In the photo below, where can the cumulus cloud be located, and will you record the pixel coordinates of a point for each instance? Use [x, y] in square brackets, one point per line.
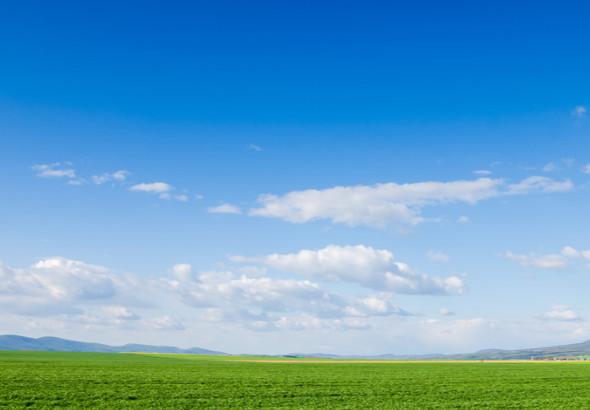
[119, 176]
[76, 293]
[445, 311]
[552, 262]
[225, 209]
[161, 188]
[53, 285]
[382, 204]
[371, 268]
[463, 219]
[264, 303]
[586, 169]
[561, 312]
[54, 170]
[550, 167]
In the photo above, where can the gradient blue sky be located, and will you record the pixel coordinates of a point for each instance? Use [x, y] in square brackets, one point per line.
[276, 177]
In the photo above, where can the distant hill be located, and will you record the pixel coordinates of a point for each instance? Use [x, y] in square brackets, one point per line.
[571, 350]
[13, 342]
[538, 353]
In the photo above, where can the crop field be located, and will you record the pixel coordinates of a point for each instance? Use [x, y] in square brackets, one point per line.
[103, 380]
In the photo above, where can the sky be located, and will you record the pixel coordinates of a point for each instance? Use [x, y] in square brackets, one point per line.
[294, 177]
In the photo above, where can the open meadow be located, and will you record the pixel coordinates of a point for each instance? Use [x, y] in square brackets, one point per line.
[65, 379]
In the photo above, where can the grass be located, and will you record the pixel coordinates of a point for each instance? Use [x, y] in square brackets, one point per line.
[102, 380]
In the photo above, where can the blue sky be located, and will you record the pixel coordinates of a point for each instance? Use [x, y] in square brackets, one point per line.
[276, 178]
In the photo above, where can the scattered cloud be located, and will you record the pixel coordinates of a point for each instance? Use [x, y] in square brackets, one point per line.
[579, 111]
[561, 312]
[586, 169]
[550, 167]
[54, 170]
[437, 256]
[371, 268]
[383, 204]
[538, 184]
[552, 262]
[181, 198]
[119, 176]
[161, 188]
[570, 252]
[482, 172]
[77, 292]
[225, 209]
[165, 323]
[445, 311]
[463, 219]
[255, 147]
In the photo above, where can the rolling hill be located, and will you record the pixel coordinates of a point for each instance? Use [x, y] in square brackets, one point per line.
[14, 342]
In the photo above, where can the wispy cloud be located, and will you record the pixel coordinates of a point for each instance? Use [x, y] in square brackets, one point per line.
[381, 204]
[54, 170]
[438, 256]
[579, 111]
[255, 147]
[119, 176]
[225, 209]
[552, 262]
[482, 172]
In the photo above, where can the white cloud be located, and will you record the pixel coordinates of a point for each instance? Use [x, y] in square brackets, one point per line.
[550, 167]
[165, 323]
[161, 188]
[119, 313]
[579, 111]
[539, 184]
[463, 219]
[225, 209]
[586, 169]
[482, 172]
[66, 293]
[52, 170]
[561, 313]
[382, 204]
[445, 311]
[372, 268]
[181, 198]
[255, 147]
[119, 176]
[552, 262]
[437, 256]
[570, 252]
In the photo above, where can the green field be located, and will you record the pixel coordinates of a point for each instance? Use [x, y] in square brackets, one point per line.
[59, 379]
